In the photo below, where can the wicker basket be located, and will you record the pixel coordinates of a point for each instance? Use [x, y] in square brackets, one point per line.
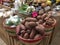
[38, 41]
[48, 33]
[10, 30]
[49, 29]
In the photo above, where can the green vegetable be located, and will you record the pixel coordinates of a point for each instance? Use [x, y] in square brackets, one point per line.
[16, 23]
[23, 8]
[9, 23]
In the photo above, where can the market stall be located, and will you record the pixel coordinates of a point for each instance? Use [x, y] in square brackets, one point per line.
[29, 22]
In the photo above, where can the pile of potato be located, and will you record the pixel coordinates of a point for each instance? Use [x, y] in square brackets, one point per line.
[33, 28]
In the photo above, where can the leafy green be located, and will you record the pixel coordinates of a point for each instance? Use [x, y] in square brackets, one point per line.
[9, 23]
[23, 8]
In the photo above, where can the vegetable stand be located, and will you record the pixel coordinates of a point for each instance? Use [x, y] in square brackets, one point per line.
[21, 40]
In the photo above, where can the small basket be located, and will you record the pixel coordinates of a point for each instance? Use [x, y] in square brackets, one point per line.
[49, 29]
[10, 30]
[48, 33]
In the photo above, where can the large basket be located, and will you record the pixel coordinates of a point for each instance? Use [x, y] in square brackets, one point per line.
[38, 41]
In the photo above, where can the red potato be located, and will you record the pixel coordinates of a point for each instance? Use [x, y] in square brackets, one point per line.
[18, 29]
[22, 27]
[37, 23]
[39, 17]
[41, 11]
[23, 21]
[40, 21]
[27, 25]
[32, 34]
[48, 16]
[40, 28]
[32, 24]
[44, 15]
[28, 31]
[23, 32]
[26, 36]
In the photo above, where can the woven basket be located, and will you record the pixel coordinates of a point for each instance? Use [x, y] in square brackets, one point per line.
[48, 33]
[49, 29]
[10, 30]
[23, 41]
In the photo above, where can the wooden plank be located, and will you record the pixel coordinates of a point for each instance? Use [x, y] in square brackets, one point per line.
[15, 42]
[11, 41]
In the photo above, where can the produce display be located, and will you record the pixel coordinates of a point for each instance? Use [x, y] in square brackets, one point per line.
[38, 23]
[36, 7]
[30, 27]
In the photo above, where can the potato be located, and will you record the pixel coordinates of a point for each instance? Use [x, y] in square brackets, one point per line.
[22, 27]
[23, 21]
[39, 17]
[41, 11]
[37, 23]
[18, 29]
[27, 25]
[44, 15]
[32, 34]
[40, 28]
[21, 35]
[31, 19]
[23, 32]
[26, 36]
[40, 21]
[48, 16]
[28, 31]
[48, 22]
[32, 24]
[37, 36]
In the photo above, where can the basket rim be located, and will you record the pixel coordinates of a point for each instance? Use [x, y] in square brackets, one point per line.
[27, 40]
[53, 25]
[6, 26]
